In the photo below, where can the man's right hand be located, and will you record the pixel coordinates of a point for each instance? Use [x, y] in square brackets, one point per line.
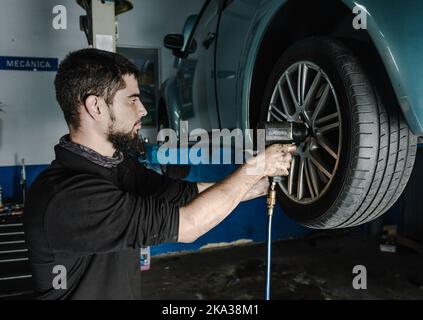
[275, 160]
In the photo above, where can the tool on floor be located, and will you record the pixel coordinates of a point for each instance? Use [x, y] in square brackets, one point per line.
[278, 133]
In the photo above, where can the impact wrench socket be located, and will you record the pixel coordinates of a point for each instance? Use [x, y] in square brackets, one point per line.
[284, 132]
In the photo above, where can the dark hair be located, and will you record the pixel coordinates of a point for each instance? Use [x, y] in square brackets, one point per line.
[90, 72]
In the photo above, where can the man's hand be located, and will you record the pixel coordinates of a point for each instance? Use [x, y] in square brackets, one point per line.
[275, 160]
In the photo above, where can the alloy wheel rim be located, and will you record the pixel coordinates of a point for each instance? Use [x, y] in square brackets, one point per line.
[304, 93]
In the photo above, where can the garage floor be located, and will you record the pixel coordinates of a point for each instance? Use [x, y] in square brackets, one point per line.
[319, 267]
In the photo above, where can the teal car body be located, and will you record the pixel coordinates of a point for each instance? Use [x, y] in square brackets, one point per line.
[212, 87]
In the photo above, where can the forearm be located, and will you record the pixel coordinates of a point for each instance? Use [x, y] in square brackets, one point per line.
[258, 190]
[214, 204]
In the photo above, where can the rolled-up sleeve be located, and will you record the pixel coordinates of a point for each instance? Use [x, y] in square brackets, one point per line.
[94, 216]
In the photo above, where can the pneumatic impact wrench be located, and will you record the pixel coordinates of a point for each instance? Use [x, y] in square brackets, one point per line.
[278, 133]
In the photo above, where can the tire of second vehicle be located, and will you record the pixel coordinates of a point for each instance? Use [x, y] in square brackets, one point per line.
[378, 149]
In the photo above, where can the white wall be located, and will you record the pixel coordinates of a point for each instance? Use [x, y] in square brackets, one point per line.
[33, 121]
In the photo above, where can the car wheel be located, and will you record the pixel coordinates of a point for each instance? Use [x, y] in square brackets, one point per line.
[360, 153]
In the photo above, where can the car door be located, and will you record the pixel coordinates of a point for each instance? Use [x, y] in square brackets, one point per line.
[196, 72]
[234, 28]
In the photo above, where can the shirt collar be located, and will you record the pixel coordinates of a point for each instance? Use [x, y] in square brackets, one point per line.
[90, 154]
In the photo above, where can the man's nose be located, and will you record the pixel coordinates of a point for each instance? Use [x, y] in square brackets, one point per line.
[142, 110]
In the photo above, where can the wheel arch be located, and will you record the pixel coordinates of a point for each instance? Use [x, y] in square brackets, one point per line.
[279, 20]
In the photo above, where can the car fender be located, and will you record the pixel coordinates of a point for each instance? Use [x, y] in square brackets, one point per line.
[394, 30]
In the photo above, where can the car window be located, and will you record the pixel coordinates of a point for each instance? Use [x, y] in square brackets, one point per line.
[188, 27]
[199, 22]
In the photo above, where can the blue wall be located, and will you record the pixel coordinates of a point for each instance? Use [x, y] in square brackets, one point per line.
[10, 179]
[248, 221]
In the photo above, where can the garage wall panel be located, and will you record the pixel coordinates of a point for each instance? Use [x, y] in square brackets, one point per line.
[32, 121]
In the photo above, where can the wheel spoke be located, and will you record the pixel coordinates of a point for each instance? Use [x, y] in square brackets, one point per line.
[334, 118]
[306, 117]
[283, 99]
[327, 128]
[327, 118]
[300, 75]
[322, 141]
[320, 167]
[300, 184]
[291, 89]
[312, 91]
[313, 176]
[304, 83]
[307, 175]
[273, 107]
[274, 115]
[323, 178]
[291, 175]
[322, 102]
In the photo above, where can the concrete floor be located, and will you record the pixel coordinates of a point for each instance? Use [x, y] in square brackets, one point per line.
[319, 267]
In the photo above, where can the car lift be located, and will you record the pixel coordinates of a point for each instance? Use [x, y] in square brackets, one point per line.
[99, 24]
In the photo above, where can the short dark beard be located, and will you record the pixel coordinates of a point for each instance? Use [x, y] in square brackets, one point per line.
[124, 142]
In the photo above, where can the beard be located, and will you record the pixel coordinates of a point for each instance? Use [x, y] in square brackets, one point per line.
[125, 142]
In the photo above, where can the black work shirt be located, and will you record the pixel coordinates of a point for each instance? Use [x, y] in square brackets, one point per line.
[93, 221]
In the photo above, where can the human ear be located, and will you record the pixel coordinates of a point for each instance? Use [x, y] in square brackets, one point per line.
[92, 106]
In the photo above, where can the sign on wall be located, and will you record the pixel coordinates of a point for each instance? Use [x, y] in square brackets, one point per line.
[28, 63]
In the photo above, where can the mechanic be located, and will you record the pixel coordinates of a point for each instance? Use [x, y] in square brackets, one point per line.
[95, 206]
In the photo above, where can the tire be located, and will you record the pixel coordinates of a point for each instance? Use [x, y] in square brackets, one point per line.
[173, 171]
[372, 150]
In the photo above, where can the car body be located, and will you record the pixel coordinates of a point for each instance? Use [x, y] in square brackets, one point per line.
[240, 62]
[241, 28]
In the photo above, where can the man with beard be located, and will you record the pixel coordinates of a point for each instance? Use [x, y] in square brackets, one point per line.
[90, 212]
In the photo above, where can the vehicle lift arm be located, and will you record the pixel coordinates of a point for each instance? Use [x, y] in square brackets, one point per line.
[100, 24]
